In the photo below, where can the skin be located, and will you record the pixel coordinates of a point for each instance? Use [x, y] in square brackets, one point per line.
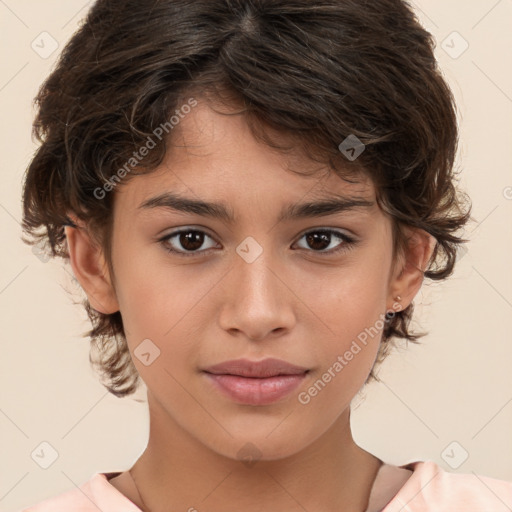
[293, 302]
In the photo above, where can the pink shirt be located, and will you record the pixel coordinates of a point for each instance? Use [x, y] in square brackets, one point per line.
[429, 488]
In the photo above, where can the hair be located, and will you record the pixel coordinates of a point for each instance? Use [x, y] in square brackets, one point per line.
[309, 72]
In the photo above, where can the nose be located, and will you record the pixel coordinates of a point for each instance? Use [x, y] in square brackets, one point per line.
[257, 301]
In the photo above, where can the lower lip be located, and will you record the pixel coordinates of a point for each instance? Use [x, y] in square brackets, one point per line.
[256, 391]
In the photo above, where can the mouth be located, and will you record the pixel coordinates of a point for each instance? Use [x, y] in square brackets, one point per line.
[269, 367]
[255, 382]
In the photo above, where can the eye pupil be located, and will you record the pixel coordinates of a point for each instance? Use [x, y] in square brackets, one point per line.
[191, 240]
[314, 238]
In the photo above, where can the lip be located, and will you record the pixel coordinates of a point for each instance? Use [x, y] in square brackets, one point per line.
[269, 367]
[256, 382]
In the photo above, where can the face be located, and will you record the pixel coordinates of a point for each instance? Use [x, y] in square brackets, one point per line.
[195, 289]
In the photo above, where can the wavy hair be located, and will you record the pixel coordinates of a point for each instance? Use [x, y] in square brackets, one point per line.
[313, 71]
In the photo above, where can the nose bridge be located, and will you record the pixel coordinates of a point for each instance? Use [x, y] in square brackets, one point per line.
[255, 276]
[256, 301]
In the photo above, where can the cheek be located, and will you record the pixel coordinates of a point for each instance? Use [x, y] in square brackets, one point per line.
[152, 295]
[347, 357]
[164, 304]
[348, 299]
[349, 307]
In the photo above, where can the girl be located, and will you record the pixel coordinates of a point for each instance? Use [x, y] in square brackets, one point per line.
[251, 192]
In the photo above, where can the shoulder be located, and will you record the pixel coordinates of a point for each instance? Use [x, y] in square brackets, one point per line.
[93, 495]
[430, 487]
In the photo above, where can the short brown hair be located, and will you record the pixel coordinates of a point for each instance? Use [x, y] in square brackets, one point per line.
[316, 71]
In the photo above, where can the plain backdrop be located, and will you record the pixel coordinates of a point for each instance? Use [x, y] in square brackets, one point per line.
[448, 400]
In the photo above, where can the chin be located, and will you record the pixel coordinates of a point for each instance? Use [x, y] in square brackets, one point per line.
[269, 444]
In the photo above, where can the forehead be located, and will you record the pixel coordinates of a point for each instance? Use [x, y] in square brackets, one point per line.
[213, 155]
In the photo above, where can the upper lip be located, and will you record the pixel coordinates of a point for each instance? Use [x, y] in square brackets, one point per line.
[269, 367]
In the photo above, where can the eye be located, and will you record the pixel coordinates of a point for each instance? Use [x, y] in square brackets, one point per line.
[321, 239]
[189, 239]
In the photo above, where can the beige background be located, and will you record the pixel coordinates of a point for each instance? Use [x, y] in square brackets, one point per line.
[456, 386]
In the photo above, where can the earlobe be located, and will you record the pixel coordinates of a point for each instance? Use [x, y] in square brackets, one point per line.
[409, 275]
[90, 269]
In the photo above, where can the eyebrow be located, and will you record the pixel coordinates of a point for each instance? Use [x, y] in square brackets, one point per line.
[328, 206]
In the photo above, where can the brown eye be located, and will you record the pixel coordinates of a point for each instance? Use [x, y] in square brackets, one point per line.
[321, 239]
[190, 240]
[318, 240]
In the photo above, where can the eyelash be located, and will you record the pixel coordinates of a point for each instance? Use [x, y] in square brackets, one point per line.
[348, 244]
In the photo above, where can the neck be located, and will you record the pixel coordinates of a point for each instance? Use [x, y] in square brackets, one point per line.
[177, 472]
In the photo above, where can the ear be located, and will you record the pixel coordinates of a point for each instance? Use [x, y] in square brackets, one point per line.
[91, 269]
[408, 273]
